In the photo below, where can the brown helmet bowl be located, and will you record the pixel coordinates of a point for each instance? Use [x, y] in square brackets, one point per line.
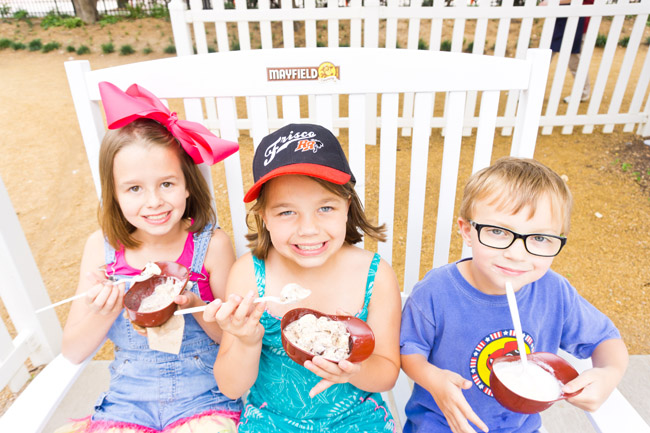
[141, 289]
[362, 339]
[550, 362]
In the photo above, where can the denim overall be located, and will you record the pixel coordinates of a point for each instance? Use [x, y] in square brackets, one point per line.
[155, 389]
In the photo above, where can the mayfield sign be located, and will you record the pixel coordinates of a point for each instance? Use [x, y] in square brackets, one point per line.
[326, 71]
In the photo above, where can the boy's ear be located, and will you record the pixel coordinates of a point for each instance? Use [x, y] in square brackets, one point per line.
[465, 229]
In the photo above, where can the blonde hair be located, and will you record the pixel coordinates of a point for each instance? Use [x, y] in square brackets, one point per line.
[146, 132]
[514, 183]
[259, 240]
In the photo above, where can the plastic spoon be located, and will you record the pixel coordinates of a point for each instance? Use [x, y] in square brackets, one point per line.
[289, 294]
[514, 313]
[149, 271]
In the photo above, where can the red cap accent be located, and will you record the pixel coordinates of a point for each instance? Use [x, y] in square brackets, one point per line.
[314, 170]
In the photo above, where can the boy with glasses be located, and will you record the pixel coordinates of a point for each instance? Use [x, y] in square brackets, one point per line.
[457, 320]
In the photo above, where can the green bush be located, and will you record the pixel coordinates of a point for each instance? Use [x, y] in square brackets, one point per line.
[51, 20]
[51, 46]
[35, 45]
[623, 42]
[647, 40]
[170, 49]
[21, 14]
[135, 12]
[422, 45]
[18, 46]
[72, 22]
[5, 43]
[126, 50]
[83, 49]
[159, 11]
[445, 45]
[147, 50]
[70, 49]
[601, 40]
[108, 48]
[5, 11]
[109, 19]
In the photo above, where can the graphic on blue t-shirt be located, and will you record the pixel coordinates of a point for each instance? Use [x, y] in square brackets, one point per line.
[490, 347]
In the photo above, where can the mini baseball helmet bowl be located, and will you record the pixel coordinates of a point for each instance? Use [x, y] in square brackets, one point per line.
[362, 339]
[552, 363]
[142, 289]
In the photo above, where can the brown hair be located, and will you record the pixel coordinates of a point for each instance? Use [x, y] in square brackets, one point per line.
[357, 224]
[146, 132]
[516, 183]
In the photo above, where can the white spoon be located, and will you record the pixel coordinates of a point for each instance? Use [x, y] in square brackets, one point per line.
[290, 293]
[514, 313]
[149, 271]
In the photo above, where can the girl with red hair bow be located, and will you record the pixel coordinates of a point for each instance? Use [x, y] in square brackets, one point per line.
[155, 206]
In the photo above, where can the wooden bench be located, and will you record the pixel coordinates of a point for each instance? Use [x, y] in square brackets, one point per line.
[408, 183]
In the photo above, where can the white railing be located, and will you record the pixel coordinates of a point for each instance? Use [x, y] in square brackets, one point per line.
[37, 337]
[618, 93]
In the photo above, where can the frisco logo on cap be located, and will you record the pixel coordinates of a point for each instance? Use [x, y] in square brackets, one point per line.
[305, 141]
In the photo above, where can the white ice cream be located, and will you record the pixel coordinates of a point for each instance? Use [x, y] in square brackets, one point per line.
[532, 382]
[162, 295]
[320, 336]
[293, 292]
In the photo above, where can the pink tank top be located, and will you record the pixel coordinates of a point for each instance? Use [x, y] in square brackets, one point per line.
[121, 267]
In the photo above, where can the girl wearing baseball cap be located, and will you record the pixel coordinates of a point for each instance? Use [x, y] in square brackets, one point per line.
[307, 218]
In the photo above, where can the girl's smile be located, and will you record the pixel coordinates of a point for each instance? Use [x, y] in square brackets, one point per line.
[313, 249]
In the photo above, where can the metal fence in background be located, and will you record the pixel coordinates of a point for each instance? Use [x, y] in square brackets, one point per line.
[41, 8]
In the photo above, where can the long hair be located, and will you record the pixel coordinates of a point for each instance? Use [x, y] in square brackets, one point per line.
[146, 132]
[259, 239]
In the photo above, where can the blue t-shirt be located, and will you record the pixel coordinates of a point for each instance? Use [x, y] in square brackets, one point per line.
[458, 328]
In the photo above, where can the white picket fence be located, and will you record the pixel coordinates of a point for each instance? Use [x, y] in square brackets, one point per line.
[618, 93]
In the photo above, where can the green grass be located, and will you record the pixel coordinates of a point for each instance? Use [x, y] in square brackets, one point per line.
[55, 20]
[624, 41]
[5, 43]
[35, 45]
[51, 46]
[21, 14]
[108, 48]
[126, 50]
[83, 49]
[109, 19]
[601, 40]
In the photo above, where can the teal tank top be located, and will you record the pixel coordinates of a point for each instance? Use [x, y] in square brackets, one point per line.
[279, 400]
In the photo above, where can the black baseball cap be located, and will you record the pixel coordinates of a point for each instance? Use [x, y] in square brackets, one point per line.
[299, 148]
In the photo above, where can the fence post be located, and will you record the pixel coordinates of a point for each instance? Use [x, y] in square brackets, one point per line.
[180, 28]
[371, 40]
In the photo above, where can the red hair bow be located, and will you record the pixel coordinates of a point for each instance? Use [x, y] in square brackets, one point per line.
[122, 108]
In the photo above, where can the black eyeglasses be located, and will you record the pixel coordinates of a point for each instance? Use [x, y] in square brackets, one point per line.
[537, 244]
